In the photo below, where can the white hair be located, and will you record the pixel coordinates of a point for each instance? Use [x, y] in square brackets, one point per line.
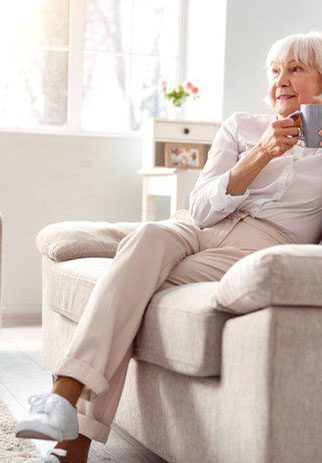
[306, 48]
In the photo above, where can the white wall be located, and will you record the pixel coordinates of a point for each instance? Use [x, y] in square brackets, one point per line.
[252, 27]
[205, 53]
[52, 178]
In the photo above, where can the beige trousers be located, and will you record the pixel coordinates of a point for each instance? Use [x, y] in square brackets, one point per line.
[154, 256]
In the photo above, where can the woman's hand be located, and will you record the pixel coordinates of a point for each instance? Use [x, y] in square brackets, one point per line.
[280, 136]
[320, 133]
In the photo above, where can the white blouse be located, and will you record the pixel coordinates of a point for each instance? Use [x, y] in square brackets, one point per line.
[287, 192]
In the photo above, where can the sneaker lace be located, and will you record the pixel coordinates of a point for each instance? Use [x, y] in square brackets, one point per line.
[58, 452]
[38, 403]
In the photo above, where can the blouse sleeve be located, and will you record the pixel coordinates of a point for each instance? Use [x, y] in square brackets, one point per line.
[209, 202]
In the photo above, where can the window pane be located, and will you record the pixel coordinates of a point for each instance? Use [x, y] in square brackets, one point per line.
[155, 27]
[33, 87]
[108, 25]
[105, 105]
[33, 23]
[147, 73]
[147, 32]
[141, 26]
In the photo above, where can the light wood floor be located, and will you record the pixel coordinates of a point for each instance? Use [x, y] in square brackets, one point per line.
[22, 375]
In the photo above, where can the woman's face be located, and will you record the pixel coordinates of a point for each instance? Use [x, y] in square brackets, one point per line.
[296, 81]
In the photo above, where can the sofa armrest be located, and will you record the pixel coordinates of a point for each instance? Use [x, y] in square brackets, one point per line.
[271, 404]
[84, 238]
[280, 275]
[76, 239]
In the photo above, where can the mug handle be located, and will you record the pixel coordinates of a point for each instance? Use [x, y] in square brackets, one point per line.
[298, 113]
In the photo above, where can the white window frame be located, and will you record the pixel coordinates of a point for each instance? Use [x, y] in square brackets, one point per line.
[75, 64]
[75, 75]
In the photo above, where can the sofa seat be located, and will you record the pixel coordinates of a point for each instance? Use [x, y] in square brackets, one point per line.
[180, 329]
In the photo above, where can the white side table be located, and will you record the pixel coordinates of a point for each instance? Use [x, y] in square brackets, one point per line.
[159, 180]
[163, 181]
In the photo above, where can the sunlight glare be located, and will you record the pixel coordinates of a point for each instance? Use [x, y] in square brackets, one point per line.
[18, 21]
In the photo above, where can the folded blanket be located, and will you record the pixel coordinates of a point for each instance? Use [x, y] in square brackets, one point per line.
[82, 238]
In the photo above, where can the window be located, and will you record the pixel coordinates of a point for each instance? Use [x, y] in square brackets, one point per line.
[34, 63]
[86, 65]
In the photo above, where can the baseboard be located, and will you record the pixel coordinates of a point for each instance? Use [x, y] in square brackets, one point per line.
[19, 318]
[22, 308]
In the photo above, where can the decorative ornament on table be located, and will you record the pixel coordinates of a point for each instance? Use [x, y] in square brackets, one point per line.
[176, 97]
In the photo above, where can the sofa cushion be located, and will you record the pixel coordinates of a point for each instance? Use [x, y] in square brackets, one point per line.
[82, 238]
[180, 330]
[284, 275]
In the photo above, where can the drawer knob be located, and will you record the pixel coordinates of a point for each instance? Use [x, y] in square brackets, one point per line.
[186, 131]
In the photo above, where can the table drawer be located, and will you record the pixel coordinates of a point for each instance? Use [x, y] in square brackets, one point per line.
[181, 131]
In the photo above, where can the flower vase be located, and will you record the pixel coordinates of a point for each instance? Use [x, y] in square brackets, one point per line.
[174, 112]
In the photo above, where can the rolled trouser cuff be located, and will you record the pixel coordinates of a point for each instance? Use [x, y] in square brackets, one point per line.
[94, 382]
[93, 429]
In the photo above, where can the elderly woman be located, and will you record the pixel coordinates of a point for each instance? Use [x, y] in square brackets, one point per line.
[260, 187]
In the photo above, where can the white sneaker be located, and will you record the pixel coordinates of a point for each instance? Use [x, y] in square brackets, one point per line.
[50, 456]
[51, 417]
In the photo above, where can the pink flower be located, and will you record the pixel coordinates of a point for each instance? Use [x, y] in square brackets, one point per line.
[164, 84]
[195, 90]
[189, 85]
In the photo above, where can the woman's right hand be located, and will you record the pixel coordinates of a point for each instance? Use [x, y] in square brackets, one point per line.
[280, 136]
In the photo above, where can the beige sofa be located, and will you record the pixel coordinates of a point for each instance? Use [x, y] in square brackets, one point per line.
[225, 372]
